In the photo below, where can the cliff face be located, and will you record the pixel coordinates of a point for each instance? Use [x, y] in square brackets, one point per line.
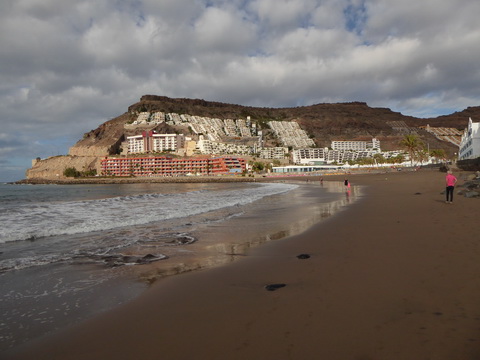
[53, 168]
[102, 141]
[323, 122]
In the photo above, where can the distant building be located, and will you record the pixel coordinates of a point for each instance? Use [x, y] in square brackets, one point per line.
[309, 155]
[273, 153]
[290, 134]
[356, 145]
[335, 156]
[451, 135]
[150, 141]
[299, 169]
[189, 148]
[470, 143]
[349, 156]
[213, 147]
[165, 166]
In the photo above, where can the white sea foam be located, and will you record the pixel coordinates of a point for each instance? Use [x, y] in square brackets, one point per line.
[37, 220]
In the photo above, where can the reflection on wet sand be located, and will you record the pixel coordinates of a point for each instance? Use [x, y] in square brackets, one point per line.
[271, 219]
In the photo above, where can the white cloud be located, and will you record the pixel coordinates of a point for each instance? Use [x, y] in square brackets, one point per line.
[282, 14]
[69, 66]
[219, 30]
[304, 43]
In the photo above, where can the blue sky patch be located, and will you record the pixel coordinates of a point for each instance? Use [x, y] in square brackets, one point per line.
[355, 17]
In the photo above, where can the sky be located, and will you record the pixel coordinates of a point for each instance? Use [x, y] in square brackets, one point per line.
[68, 66]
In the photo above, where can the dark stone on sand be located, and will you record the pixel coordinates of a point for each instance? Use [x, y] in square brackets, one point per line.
[147, 259]
[273, 287]
[303, 256]
[472, 194]
[418, 193]
[179, 239]
[120, 260]
[185, 240]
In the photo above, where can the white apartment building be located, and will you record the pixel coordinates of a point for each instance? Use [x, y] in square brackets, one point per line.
[374, 144]
[290, 134]
[335, 155]
[167, 142]
[212, 147]
[142, 118]
[207, 146]
[470, 144]
[356, 145]
[350, 155]
[273, 153]
[308, 155]
[136, 144]
[364, 154]
[149, 141]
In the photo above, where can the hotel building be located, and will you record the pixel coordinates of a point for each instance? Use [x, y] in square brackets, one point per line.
[165, 166]
[356, 145]
[470, 143]
[150, 141]
[309, 155]
[273, 153]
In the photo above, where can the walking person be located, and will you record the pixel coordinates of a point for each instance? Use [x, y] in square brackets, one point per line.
[450, 181]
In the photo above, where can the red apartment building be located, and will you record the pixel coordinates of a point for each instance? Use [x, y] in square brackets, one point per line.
[165, 166]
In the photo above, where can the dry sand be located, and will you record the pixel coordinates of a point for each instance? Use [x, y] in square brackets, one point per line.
[395, 276]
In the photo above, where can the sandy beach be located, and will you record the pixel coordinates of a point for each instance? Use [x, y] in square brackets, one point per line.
[394, 276]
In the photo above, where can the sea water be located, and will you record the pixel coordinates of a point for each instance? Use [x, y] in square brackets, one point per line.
[63, 247]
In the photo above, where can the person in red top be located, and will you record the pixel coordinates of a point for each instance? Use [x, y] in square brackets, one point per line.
[450, 181]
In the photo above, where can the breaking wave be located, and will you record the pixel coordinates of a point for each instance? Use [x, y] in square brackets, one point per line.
[37, 220]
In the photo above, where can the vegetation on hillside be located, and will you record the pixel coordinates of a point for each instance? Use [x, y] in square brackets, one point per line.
[73, 172]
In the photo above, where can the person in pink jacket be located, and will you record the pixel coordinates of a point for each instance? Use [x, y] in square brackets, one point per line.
[450, 181]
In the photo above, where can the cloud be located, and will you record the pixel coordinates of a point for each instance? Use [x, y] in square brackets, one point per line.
[278, 14]
[69, 66]
[223, 31]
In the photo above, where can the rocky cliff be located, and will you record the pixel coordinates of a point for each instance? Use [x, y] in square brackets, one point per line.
[102, 141]
[53, 167]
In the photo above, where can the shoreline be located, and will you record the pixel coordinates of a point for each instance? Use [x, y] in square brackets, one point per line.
[203, 179]
[394, 276]
[134, 180]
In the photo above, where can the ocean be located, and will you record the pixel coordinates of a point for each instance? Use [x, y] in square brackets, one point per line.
[69, 252]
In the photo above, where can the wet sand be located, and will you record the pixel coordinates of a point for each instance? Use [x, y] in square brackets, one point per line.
[394, 276]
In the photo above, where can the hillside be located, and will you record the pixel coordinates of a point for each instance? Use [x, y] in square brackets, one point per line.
[323, 123]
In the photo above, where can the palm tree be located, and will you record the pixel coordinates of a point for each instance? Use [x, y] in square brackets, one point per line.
[398, 159]
[438, 154]
[379, 158]
[423, 155]
[412, 144]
